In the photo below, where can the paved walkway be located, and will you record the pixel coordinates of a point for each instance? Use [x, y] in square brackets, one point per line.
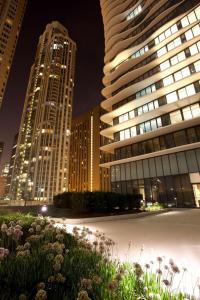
[174, 234]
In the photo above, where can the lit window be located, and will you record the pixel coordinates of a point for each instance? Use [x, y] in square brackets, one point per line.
[170, 46]
[131, 114]
[145, 108]
[187, 114]
[121, 135]
[165, 65]
[174, 60]
[192, 18]
[147, 126]
[127, 133]
[197, 11]
[195, 110]
[148, 90]
[153, 88]
[126, 117]
[175, 117]
[174, 28]
[168, 80]
[182, 93]
[193, 49]
[159, 122]
[197, 66]
[177, 42]
[189, 35]
[185, 22]
[162, 51]
[178, 76]
[157, 41]
[181, 56]
[168, 33]
[153, 124]
[140, 111]
[196, 30]
[172, 97]
[190, 90]
[121, 119]
[150, 106]
[162, 37]
[185, 72]
[133, 131]
[156, 105]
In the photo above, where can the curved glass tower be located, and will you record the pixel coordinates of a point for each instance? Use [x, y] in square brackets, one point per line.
[152, 98]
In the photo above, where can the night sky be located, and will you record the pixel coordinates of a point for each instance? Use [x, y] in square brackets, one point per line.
[83, 20]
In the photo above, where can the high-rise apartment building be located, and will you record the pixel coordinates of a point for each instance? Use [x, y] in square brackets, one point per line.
[152, 98]
[42, 156]
[11, 163]
[85, 173]
[1, 149]
[11, 16]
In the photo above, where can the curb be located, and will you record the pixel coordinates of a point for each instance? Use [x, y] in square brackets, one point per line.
[110, 218]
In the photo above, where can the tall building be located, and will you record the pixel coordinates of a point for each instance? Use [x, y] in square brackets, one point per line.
[42, 156]
[1, 149]
[152, 98]
[11, 163]
[3, 180]
[85, 156]
[11, 16]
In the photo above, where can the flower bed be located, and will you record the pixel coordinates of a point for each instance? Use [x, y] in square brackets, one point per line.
[40, 261]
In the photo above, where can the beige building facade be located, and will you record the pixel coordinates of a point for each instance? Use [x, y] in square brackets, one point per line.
[85, 173]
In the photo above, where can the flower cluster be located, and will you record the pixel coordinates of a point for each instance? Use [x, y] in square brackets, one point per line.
[3, 253]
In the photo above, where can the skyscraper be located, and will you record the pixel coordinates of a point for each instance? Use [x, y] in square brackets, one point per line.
[1, 149]
[152, 98]
[11, 16]
[42, 155]
[85, 155]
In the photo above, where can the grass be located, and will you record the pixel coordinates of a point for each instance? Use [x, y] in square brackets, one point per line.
[40, 261]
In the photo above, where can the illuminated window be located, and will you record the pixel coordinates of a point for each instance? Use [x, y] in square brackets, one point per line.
[165, 65]
[193, 49]
[189, 35]
[196, 30]
[131, 114]
[162, 51]
[175, 117]
[133, 131]
[182, 93]
[195, 110]
[192, 17]
[197, 66]
[172, 97]
[185, 22]
[168, 80]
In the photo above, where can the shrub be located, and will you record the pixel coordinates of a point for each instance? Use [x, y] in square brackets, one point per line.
[97, 202]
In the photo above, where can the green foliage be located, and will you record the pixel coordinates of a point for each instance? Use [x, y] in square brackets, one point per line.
[155, 207]
[97, 202]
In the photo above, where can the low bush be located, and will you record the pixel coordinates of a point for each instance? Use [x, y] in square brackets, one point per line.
[97, 202]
